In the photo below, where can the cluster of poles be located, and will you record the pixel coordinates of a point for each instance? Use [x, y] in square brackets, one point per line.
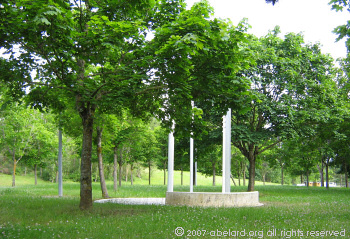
[226, 156]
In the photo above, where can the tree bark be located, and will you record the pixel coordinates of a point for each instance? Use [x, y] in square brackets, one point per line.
[126, 172]
[149, 172]
[35, 175]
[182, 176]
[164, 170]
[244, 173]
[131, 176]
[233, 180]
[282, 174]
[115, 165]
[120, 173]
[239, 168]
[263, 177]
[85, 166]
[14, 169]
[346, 175]
[320, 170]
[99, 131]
[214, 174]
[251, 181]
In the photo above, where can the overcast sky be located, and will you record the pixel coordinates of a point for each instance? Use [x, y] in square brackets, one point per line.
[314, 18]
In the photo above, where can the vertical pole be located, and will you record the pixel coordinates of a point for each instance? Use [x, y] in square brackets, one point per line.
[195, 173]
[191, 156]
[191, 165]
[60, 186]
[171, 143]
[226, 153]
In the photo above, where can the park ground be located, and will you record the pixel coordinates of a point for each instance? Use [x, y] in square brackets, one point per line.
[35, 211]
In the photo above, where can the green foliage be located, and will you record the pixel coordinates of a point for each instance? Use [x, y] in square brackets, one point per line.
[343, 31]
[292, 90]
[197, 59]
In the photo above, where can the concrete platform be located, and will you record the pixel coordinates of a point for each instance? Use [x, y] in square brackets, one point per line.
[133, 201]
[203, 199]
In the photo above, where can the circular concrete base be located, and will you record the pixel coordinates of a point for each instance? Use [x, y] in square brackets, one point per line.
[202, 199]
[134, 201]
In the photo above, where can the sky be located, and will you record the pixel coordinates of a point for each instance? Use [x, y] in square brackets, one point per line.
[313, 18]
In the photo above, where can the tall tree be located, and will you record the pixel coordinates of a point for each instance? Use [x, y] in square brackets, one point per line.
[162, 145]
[43, 145]
[17, 131]
[91, 52]
[199, 57]
[291, 90]
[343, 31]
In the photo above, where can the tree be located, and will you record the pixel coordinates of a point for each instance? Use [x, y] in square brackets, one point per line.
[149, 150]
[17, 129]
[99, 130]
[90, 52]
[42, 149]
[199, 57]
[162, 145]
[343, 31]
[291, 90]
[182, 155]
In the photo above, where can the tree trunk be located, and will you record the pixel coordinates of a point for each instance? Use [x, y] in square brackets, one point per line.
[14, 169]
[100, 163]
[35, 174]
[126, 172]
[244, 176]
[25, 171]
[307, 178]
[131, 176]
[239, 172]
[346, 175]
[282, 174]
[233, 180]
[115, 165]
[263, 178]
[251, 181]
[149, 172]
[320, 170]
[85, 166]
[214, 173]
[120, 173]
[182, 176]
[164, 170]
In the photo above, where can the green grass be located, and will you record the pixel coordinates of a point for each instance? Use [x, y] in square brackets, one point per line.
[29, 211]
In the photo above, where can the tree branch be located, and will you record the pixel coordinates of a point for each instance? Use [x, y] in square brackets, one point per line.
[269, 147]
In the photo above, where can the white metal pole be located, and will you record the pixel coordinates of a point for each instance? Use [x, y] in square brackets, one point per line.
[223, 153]
[171, 143]
[60, 184]
[191, 156]
[226, 153]
[191, 165]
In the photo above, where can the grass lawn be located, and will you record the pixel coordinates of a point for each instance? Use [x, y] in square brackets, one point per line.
[29, 211]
